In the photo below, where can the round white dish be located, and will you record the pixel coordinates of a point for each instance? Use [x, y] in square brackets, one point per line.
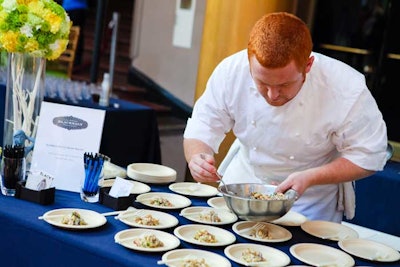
[92, 218]
[177, 201]
[329, 230]
[126, 238]
[151, 173]
[271, 255]
[188, 232]
[196, 214]
[370, 250]
[165, 220]
[321, 255]
[276, 233]
[137, 188]
[218, 203]
[291, 218]
[179, 255]
[193, 189]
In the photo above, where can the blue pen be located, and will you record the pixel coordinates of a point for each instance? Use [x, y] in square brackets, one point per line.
[92, 176]
[97, 175]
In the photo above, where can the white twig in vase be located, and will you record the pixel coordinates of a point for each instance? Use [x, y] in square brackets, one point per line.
[24, 100]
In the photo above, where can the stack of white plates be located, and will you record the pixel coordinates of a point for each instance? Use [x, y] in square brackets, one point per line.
[151, 173]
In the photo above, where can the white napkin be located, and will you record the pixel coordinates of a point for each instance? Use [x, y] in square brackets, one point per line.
[347, 199]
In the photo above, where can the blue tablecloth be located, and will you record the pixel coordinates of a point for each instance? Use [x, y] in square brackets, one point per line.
[27, 241]
[377, 200]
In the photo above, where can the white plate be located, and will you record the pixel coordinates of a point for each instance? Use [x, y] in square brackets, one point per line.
[126, 237]
[193, 189]
[194, 214]
[92, 218]
[291, 218]
[321, 255]
[137, 188]
[113, 170]
[329, 230]
[211, 258]
[177, 201]
[218, 203]
[151, 173]
[276, 233]
[165, 220]
[271, 255]
[188, 232]
[369, 250]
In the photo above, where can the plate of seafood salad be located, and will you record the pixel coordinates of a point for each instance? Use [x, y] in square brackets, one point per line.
[321, 255]
[218, 203]
[291, 218]
[194, 258]
[209, 215]
[72, 218]
[148, 219]
[206, 235]
[148, 240]
[261, 231]
[163, 200]
[256, 255]
[194, 189]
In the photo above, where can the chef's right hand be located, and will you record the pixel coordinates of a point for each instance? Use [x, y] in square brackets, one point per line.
[202, 168]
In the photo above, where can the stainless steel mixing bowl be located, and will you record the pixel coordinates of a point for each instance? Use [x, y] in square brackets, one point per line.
[237, 198]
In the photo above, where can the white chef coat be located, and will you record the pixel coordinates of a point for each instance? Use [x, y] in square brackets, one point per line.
[333, 115]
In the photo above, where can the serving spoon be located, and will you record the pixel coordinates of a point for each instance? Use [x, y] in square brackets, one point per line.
[224, 184]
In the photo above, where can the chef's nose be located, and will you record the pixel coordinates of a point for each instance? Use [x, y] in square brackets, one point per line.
[273, 92]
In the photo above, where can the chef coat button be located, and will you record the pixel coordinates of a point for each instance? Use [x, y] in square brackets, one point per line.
[297, 134]
[254, 148]
[301, 103]
[291, 157]
[253, 122]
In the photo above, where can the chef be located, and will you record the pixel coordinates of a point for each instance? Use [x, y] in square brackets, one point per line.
[302, 121]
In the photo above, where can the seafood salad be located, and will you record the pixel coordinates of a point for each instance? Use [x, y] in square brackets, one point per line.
[195, 263]
[162, 202]
[148, 241]
[210, 216]
[147, 220]
[262, 233]
[251, 255]
[205, 236]
[73, 219]
[273, 196]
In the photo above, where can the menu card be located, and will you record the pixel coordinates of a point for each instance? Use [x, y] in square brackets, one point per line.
[64, 134]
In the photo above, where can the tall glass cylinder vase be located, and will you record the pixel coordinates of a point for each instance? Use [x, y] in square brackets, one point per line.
[24, 96]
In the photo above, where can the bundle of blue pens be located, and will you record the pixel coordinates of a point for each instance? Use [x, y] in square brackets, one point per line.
[93, 167]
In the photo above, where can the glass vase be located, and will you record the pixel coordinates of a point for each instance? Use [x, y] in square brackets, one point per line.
[24, 96]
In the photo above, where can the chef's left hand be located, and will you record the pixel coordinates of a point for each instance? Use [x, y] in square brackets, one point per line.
[298, 181]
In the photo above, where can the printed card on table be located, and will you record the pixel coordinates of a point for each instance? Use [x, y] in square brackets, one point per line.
[64, 134]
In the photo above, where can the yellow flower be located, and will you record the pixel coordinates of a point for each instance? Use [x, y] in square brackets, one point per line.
[54, 20]
[25, 2]
[58, 47]
[9, 40]
[31, 45]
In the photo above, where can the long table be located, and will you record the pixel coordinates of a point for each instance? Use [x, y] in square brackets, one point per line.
[27, 241]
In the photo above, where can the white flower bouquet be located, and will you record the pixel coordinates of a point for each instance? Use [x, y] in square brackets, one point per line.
[37, 27]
